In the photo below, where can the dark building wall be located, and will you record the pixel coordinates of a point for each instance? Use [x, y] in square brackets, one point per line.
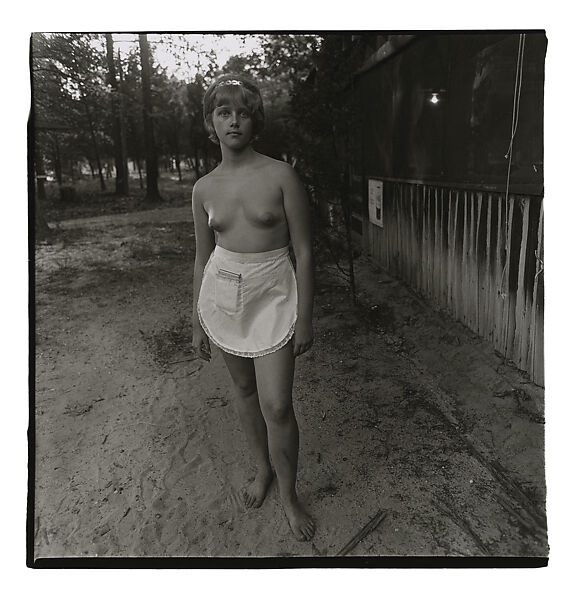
[449, 230]
[463, 138]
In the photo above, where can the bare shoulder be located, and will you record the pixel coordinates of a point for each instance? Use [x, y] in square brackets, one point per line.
[198, 188]
[282, 171]
[202, 186]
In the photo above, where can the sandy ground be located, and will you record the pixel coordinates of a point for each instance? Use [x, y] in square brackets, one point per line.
[139, 451]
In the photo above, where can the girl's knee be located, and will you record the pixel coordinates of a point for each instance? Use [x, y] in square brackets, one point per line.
[245, 387]
[278, 412]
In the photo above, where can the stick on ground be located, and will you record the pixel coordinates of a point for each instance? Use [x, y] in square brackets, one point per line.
[368, 528]
[174, 362]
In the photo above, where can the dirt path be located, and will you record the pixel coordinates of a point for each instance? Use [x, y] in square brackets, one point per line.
[140, 453]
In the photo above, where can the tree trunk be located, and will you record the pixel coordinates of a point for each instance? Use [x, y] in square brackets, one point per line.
[137, 149]
[141, 181]
[178, 169]
[40, 177]
[152, 194]
[346, 210]
[123, 127]
[57, 162]
[41, 188]
[347, 214]
[197, 163]
[42, 230]
[122, 181]
[177, 161]
[41, 227]
[95, 147]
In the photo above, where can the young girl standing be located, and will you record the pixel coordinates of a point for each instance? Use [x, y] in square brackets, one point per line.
[248, 300]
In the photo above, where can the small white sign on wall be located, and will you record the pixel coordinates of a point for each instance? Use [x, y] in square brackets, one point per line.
[375, 202]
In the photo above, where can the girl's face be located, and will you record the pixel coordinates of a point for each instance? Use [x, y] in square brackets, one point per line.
[233, 124]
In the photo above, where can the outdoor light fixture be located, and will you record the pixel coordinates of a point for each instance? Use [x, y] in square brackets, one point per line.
[433, 95]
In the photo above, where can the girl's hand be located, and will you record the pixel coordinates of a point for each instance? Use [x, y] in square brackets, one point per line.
[201, 343]
[303, 338]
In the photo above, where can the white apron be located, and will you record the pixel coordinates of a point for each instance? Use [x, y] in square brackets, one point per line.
[248, 301]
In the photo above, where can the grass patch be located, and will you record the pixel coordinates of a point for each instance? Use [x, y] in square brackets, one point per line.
[89, 201]
[170, 344]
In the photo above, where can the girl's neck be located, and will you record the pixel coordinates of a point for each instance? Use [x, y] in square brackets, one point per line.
[232, 159]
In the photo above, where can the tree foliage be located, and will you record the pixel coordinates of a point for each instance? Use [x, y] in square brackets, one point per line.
[329, 133]
[71, 101]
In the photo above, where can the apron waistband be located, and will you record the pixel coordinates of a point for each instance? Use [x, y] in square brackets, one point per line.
[250, 257]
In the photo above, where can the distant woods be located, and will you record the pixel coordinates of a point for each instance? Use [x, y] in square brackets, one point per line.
[111, 114]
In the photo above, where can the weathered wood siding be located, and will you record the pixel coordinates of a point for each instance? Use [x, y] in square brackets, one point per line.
[474, 255]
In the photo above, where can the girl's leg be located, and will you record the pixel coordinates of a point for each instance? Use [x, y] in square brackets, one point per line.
[274, 375]
[242, 373]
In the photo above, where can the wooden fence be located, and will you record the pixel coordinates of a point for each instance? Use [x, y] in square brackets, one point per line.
[474, 255]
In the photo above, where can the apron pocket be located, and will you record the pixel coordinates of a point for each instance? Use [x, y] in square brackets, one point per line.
[228, 291]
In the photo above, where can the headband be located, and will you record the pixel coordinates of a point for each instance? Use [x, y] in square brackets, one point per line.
[230, 82]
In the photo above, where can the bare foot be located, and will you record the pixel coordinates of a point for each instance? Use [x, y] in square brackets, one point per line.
[254, 493]
[301, 523]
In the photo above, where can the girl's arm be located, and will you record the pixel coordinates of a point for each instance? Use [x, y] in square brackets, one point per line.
[205, 242]
[296, 205]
